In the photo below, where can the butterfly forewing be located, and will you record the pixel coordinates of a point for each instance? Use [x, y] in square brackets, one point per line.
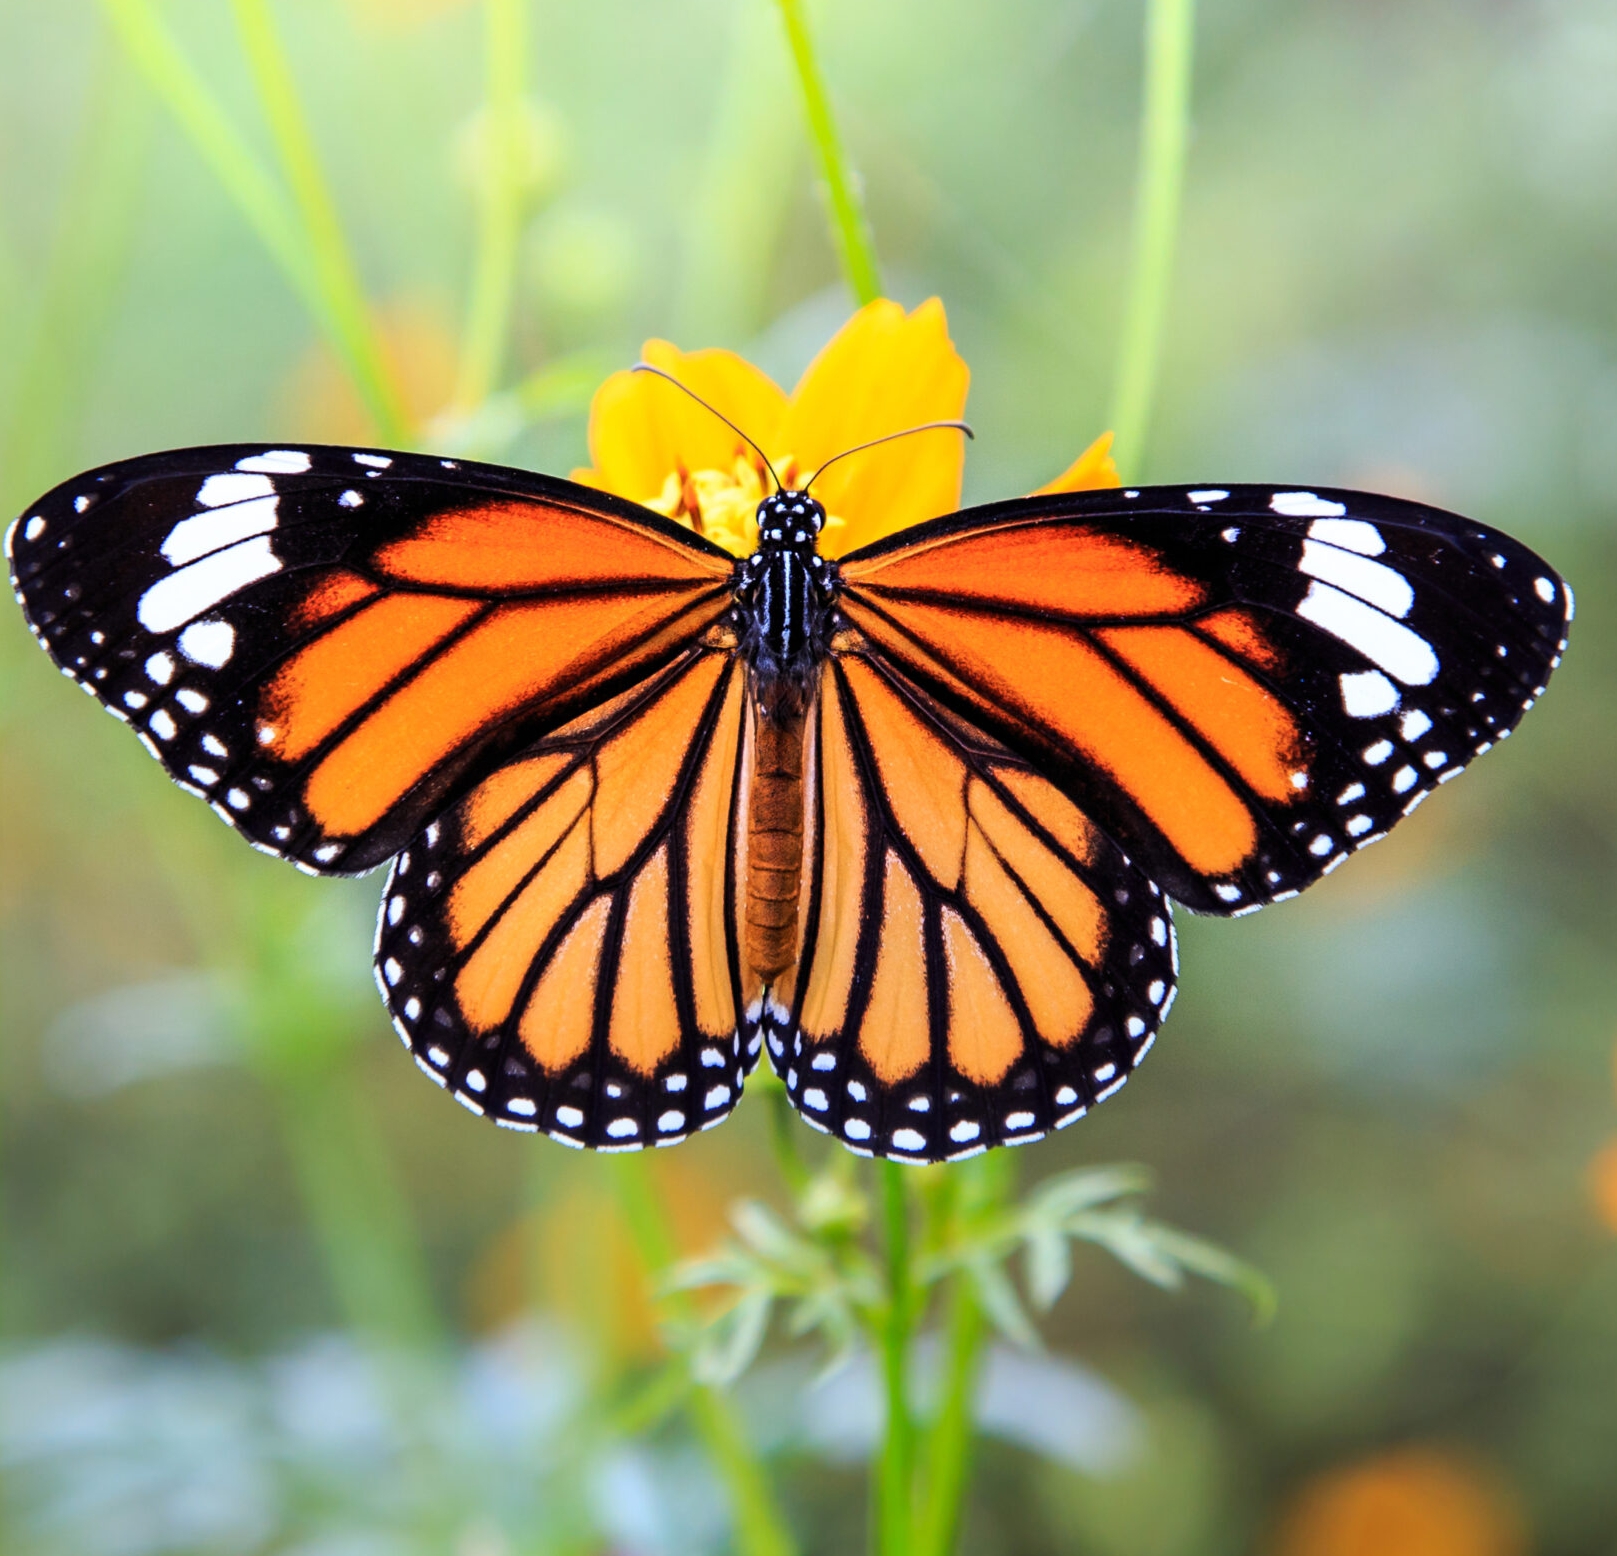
[557, 949]
[328, 644]
[1240, 685]
[980, 963]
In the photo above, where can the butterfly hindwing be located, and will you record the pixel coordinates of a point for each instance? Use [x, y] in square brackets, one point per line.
[1241, 685]
[979, 963]
[327, 644]
[558, 948]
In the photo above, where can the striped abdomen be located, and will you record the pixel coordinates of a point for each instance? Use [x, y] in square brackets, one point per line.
[774, 841]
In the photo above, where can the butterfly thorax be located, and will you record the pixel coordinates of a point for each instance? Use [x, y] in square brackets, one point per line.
[783, 594]
[783, 597]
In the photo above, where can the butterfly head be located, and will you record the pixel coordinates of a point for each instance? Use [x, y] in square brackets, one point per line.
[789, 521]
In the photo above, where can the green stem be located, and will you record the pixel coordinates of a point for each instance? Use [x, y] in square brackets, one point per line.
[760, 1528]
[55, 332]
[286, 236]
[895, 1486]
[169, 74]
[1164, 133]
[948, 1454]
[783, 1138]
[335, 276]
[500, 203]
[849, 225]
[978, 1188]
[355, 1204]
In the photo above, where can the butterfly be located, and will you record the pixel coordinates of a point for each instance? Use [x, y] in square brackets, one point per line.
[913, 820]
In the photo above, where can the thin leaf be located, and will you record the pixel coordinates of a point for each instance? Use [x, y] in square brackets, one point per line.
[999, 1300]
[1213, 1263]
[732, 1343]
[1049, 1267]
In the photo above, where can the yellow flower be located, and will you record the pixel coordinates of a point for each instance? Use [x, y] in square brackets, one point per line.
[883, 371]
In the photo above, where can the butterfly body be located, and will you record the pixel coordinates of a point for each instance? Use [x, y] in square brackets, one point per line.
[911, 821]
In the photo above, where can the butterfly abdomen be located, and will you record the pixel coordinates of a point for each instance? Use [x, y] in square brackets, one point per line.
[775, 841]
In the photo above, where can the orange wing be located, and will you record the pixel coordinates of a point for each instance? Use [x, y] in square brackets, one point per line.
[329, 645]
[1240, 685]
[978, 962]
[558, 948]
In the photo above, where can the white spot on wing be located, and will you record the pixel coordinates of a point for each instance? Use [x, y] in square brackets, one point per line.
[1402, 653]
[34, 528]
[1305, 505]
[160, 667]
[208, 643]
[1349, 534]
[276, 461]
[1414, 724]
[204, 533]
[1545, 590]
[1212, 495]
[218, 491]
[375, 461]
[1375, 582]
[1366, 693]
[184, 595]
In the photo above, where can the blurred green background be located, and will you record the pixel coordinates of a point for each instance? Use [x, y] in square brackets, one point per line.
[263, 1290]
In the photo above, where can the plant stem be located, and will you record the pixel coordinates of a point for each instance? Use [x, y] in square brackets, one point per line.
[978, 1188]
[499, 206]
[760, 1528]
[948, 1454]
[336, 279]
[1164, 133]
[849, 225]
[183, 92]
[50, 338]
[783, 1128]
[352, 1196]
[179, 87]
[894, 1499]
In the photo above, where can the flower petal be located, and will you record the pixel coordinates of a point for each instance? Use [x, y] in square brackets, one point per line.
[883, 371]
[642, 428]
[1091, 471]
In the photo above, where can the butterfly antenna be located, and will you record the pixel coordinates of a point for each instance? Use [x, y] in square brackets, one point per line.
[646, 367]
[859, 448]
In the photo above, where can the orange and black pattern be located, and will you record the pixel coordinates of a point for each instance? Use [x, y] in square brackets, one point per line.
[558, 947]
[1241, 686]
[979, 963]
[326, 644]
[1018, 732]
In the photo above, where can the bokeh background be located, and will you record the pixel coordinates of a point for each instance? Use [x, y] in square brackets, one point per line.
[266, 1291]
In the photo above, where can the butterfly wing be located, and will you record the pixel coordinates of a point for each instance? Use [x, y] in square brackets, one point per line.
[1239, 685]
[558, 947]
[979, 963]
[329, 644]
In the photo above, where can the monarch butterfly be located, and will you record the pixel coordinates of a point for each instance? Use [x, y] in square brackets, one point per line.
[912, 820]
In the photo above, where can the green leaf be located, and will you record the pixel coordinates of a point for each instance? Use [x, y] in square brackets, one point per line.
[731, 1344]
[1049, 1266]
[999, 1300]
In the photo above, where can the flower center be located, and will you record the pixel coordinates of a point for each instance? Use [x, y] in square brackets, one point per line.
[722, 505]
